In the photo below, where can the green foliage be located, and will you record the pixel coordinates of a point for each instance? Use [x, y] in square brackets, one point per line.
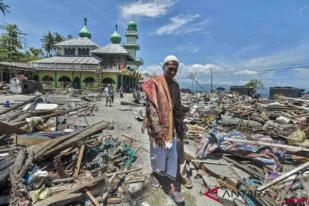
[69, 36]
[32, 54]
[11, 46]
[4, 7]
[10, 43]
[49, 40]
[254, 83]
[48, 43]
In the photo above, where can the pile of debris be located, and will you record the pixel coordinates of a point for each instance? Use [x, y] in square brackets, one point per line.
[44, 161]
[263, 144]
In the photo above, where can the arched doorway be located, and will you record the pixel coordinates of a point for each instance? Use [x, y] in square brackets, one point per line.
[76, 83]
[36, 78]
[48, 80]
[89, 81]
[65, 81]
[106, 81]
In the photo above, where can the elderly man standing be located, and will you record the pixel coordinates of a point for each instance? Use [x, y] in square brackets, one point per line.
[164, 123]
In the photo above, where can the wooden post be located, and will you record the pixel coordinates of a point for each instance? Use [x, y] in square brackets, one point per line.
[79, 160]
[91, 197]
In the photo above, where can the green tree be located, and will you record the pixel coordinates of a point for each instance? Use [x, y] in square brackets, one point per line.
[4, 7]
[48, 41]
[254, 83]
[32, 54]
[58, 38]
[10, 43]
[69, 36]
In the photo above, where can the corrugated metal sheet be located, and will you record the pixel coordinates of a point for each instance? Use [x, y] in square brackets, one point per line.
[110, 49]
[70, 60]
[80, 41]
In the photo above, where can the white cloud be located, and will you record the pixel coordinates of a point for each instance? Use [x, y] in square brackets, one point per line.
[194, 27]
[245, 72]
[175, 23]
[185, 69]
[147, 8]
[234, 76]
[188, 47]
[152, 69]
[302, 71]
[296, 57]
[199, 69]
[282, 58]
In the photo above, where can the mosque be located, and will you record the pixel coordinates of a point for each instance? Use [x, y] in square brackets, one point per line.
[83, 64]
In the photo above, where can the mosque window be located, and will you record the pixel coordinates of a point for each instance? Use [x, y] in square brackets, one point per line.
[69, 51]
[83, 52]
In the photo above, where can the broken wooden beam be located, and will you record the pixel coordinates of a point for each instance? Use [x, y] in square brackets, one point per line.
[286, 147]
[79, 160]
[58, 198]
[10, 129]
[283, 177]
[91, 197]
[18, 105]
[27, 140]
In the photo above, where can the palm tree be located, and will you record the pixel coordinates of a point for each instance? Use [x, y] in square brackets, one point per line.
[58, 38]
[69, 36]
[48, 41]
[4, 7]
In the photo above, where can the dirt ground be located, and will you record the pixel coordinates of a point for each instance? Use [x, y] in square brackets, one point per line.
[125, 123]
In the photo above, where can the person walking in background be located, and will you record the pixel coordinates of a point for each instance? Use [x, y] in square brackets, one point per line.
[121, 91]
[108, 95]
[112, 94]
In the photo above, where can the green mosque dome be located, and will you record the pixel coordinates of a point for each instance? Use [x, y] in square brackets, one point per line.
[84, 32]
[132, 25]
[116, 38]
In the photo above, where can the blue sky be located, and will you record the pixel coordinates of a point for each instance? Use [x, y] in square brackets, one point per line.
[240, 39]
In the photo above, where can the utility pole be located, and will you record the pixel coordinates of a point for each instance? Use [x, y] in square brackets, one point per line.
[211, 86]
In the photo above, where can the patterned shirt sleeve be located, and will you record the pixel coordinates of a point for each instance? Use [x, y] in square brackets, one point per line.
[152, 120]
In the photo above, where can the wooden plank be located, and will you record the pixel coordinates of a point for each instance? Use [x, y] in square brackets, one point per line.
[286, 147]
[91, 197]
[55, 199]
[60, 200]
[9, 129]
[79, 160]
[18, 105]
[29, 140]
[67, 141]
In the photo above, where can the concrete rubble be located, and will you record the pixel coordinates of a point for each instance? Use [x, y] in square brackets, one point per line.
[262, 143]
[46, 160]
[238, 150]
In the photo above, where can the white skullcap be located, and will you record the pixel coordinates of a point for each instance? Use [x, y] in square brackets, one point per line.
[170, 58]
